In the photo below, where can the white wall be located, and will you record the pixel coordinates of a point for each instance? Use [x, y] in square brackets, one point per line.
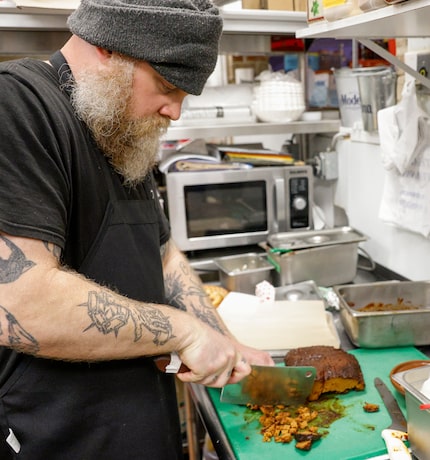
[359, 192]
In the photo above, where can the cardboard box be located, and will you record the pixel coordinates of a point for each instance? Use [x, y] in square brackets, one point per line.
[300, 5]
[251, 4]
[287, 5]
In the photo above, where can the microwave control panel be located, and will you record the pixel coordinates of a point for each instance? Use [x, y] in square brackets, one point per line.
[299, 202]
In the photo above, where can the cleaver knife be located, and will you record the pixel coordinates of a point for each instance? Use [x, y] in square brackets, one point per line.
[396, 433]
[265, 385]
[271, 385]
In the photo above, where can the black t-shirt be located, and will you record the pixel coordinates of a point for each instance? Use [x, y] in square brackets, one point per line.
[52, 185]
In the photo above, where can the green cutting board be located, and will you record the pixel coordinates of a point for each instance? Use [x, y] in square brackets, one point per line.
[355, 436]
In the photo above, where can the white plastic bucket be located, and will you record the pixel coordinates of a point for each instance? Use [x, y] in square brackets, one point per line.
[348, 97]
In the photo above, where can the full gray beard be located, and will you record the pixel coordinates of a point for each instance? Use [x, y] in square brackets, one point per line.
[103, 101]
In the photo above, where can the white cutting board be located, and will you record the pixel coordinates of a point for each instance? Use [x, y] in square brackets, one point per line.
[278, 325]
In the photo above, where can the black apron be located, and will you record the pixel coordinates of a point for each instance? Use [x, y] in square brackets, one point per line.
[118, 410]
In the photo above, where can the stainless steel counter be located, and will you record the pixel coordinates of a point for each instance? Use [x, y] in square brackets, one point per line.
[203, 405]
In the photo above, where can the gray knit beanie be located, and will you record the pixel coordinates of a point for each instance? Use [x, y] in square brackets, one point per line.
[179, 38]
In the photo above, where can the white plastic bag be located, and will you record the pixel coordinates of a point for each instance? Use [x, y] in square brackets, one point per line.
[404, 131]
[399, 127]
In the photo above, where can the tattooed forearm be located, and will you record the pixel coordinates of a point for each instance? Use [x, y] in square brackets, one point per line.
[17, 337]
[15, 264]
[177, 291]
[53, 249]
[174, 291]
[178, 295]
[207, 316]
[108, 315]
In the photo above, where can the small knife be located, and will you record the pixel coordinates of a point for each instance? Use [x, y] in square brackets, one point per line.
[396, 433]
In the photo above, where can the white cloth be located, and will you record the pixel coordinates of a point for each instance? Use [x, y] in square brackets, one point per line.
[404, 131]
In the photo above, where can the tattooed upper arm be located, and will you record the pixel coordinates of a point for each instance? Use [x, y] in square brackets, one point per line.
[13, 261]
[53, 249]
[163, 249]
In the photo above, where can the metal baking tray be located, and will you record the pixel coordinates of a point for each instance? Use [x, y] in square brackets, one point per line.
[388, 328]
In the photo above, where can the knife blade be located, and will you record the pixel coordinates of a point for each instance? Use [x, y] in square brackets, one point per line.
[271, 385]
[396, 433]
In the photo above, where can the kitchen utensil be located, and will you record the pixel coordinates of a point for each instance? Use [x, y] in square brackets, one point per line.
[241, 273]
[309, 253]
[377, 88]
[395, 434]
[388, 328]
[315, 238]
[414, 381]
[405, 366]
[170, 364]
[306, 290]
[271, 385]
[265, 385]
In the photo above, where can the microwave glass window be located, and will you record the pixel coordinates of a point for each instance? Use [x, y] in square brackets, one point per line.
[219, 209]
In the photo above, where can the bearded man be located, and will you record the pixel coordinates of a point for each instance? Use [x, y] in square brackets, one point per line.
[88, 269]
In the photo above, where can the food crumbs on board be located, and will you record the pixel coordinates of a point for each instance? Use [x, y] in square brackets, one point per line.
[285, 424]
[304, 424]
[369, 407]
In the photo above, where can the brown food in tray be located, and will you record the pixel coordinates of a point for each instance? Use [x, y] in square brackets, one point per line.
[337, 370]
[381, 306]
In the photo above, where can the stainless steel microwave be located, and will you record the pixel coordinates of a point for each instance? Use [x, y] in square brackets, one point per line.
[223, 208]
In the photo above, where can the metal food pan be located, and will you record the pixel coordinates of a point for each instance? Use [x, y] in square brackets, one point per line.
[388, 328]
[315, 238]
[326, 265]
[243, 272]
[418, 419]
[306, 290]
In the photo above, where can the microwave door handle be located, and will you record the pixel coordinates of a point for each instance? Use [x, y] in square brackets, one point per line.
[280, 206]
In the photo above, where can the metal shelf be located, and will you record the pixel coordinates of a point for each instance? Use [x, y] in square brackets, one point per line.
[263, 21]
[235, 22]
[12, 19]
[247, 129]
[408, 19]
